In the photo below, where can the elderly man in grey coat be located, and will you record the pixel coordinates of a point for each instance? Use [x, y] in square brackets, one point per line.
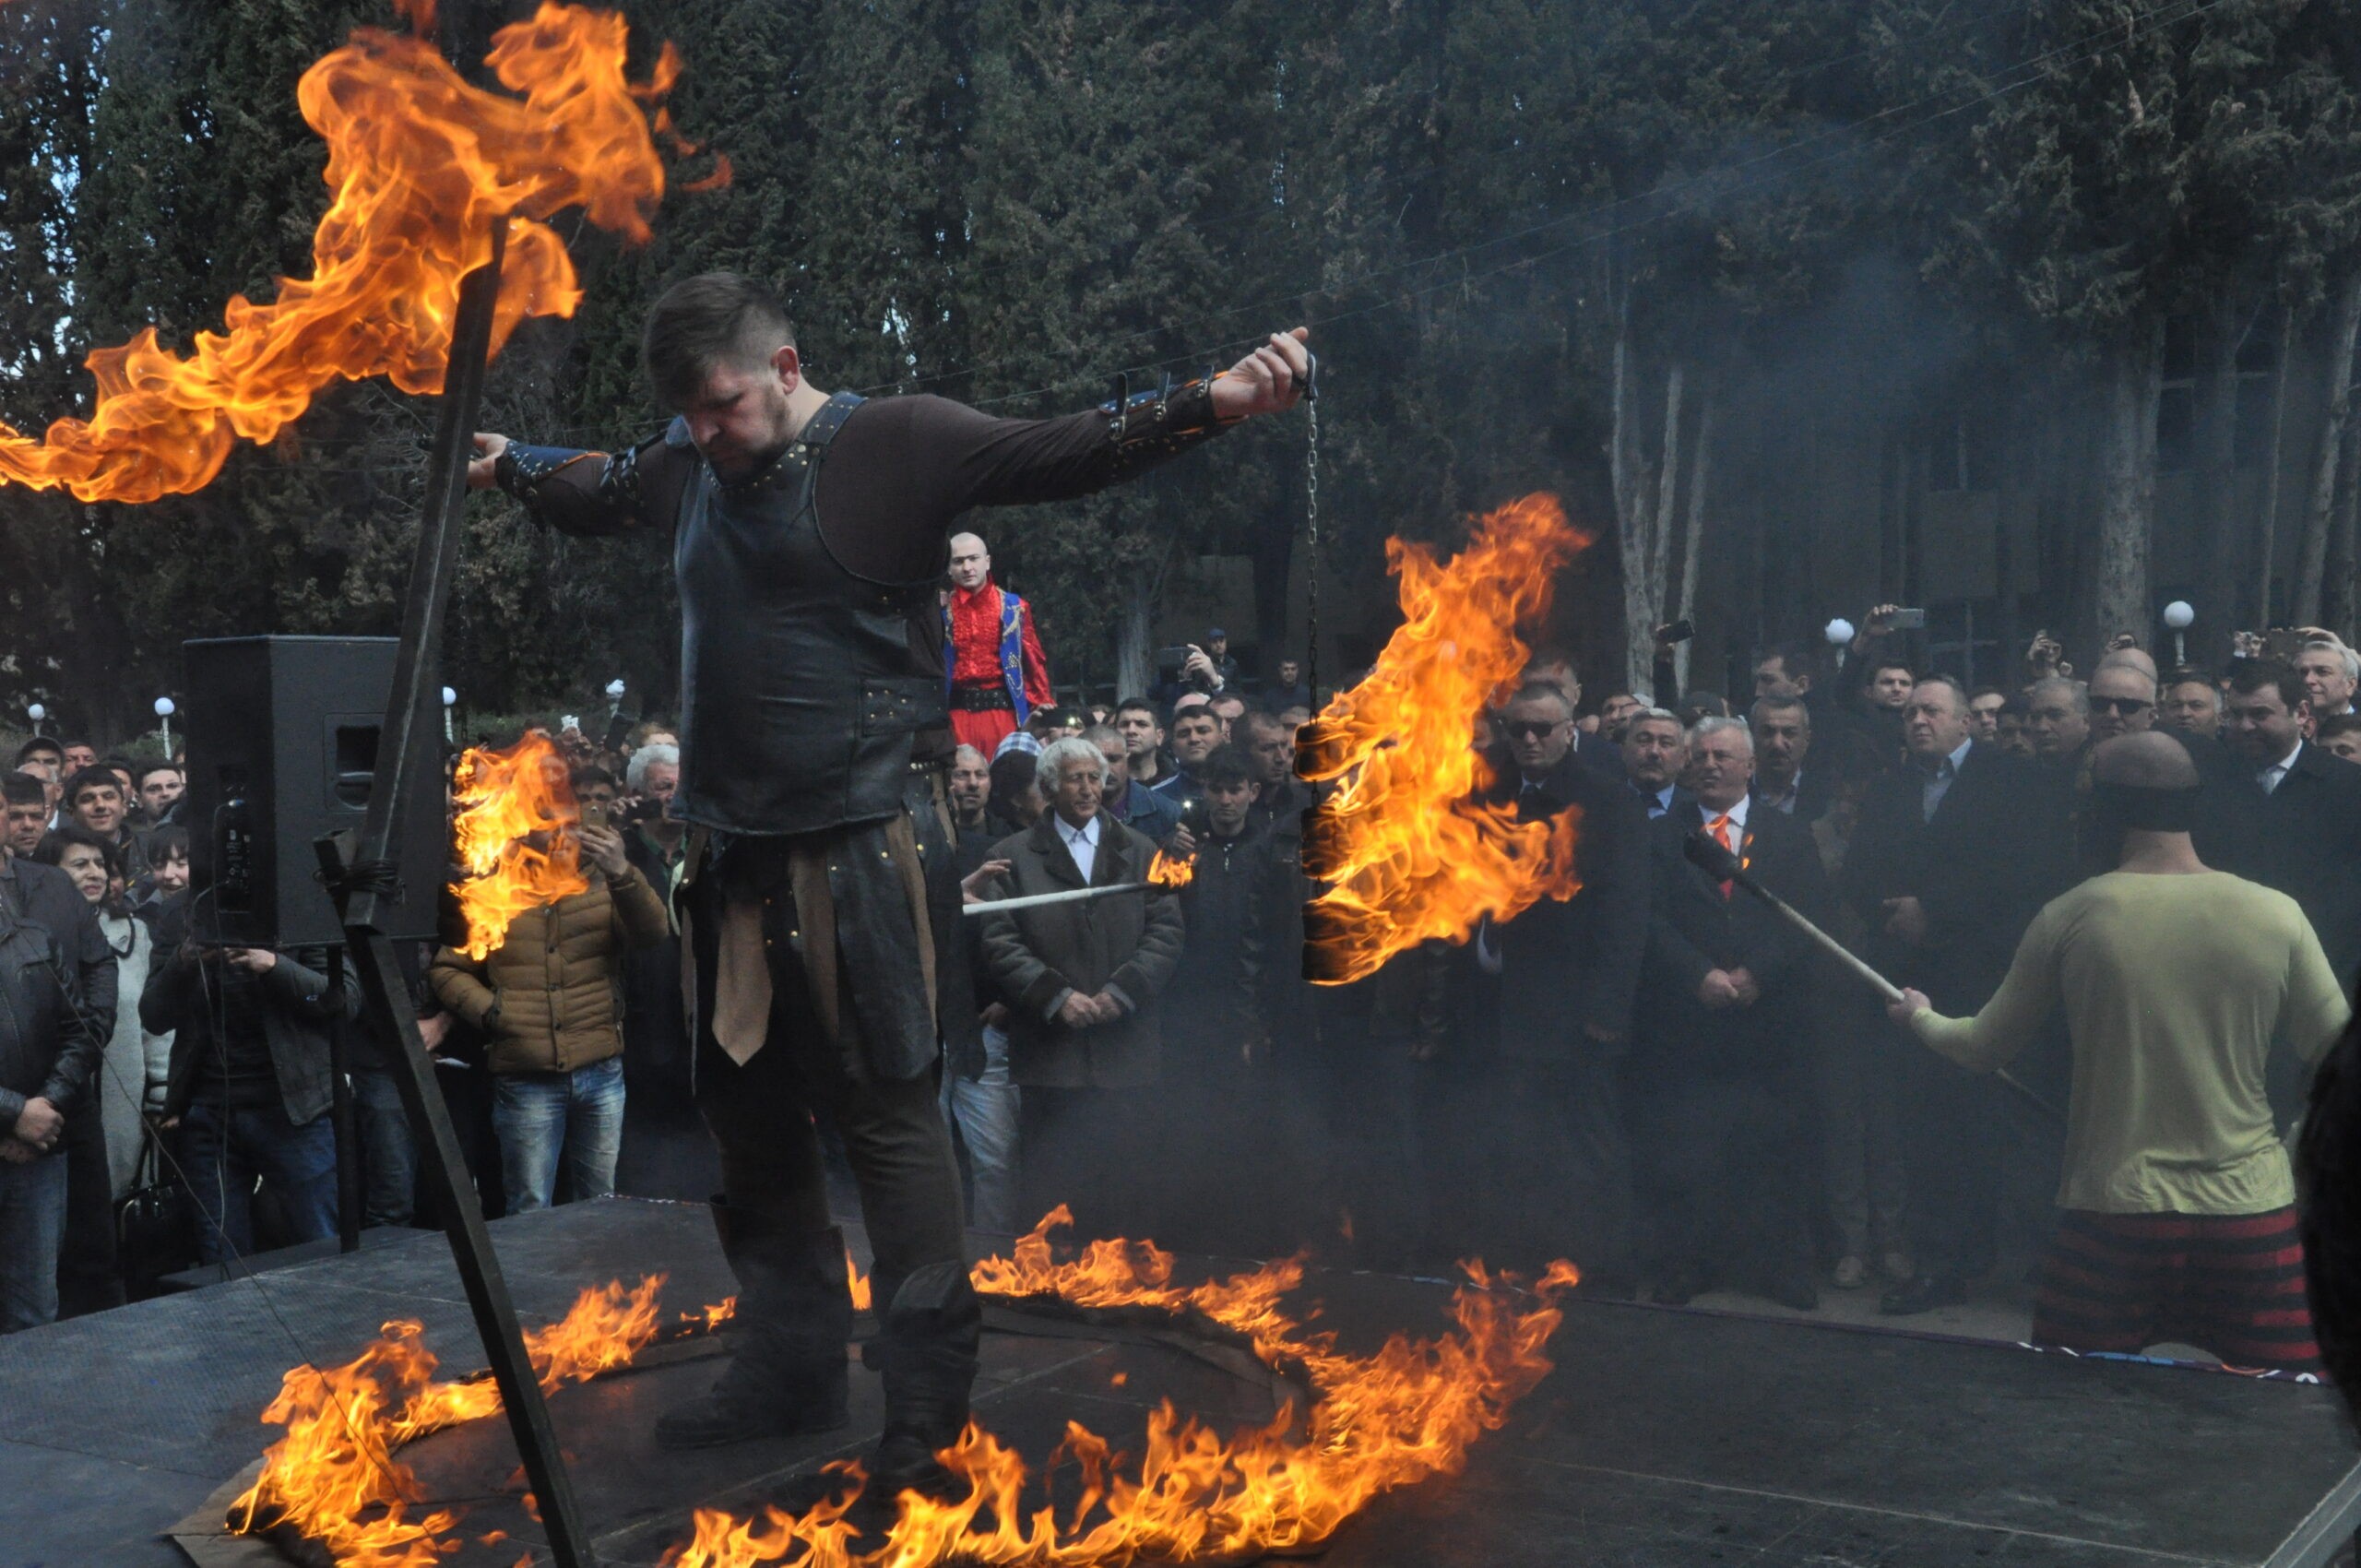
[1081, 981]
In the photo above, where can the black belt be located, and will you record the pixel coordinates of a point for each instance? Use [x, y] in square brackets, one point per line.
[981, 699]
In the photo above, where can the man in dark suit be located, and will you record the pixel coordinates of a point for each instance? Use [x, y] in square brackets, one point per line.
[2301, 807]
[1784, 778]
[1655, 749]
[1955, 852]
[1543, 1016]
[1718, 1075]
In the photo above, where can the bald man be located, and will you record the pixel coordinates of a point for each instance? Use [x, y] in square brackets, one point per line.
[994, 672]
[2177, 1218]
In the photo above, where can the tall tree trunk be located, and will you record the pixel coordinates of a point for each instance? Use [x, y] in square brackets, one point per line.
[2264, 564]
[1693, 537]
[1134, 630]
[1635, 520]
[1667, 480]
[2127, 473]
[2311, 556]
[2230, 320]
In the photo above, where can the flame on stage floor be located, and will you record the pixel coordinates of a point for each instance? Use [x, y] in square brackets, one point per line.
[423, 166]
[1193, 1496]
[1406, 854]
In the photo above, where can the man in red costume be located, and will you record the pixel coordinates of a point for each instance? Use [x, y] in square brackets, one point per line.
[995, 674]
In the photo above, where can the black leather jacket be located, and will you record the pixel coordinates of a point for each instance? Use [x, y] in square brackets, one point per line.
[49, 1048]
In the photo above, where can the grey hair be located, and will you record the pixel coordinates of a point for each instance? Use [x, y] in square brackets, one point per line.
[1052, 761]
[1664, 713]
[647, 756]
[961, 753]
[2352, 660]
[2080, 692]
[1714, 724]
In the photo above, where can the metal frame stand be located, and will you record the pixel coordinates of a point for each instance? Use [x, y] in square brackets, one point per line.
[361, 878]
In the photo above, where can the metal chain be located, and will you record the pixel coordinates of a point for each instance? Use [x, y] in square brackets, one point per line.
[1311, 562]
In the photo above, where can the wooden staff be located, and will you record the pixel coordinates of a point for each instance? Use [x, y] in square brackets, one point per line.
[1708, 855]
[1069, 895]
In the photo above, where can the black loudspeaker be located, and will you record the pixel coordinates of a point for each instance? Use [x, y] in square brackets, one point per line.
[283, 748]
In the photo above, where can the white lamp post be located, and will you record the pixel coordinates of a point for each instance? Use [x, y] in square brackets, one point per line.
[164, 711]
[2177, 615]
[1839, 632]
[450, 701]
[614, 697]
[36, 713]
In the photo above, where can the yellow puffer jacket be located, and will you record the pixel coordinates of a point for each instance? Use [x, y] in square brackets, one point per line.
[548, 998]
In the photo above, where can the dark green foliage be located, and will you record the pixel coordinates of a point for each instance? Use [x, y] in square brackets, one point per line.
[1009, 201]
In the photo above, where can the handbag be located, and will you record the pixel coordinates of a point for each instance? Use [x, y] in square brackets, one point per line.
[155, 1229]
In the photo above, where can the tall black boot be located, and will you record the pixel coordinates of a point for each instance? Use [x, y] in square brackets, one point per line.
[926, 1351]
[787, 1373]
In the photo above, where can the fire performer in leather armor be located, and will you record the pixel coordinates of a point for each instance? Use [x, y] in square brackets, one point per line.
[809, 539]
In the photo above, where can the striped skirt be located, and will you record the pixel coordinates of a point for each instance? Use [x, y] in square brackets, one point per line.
[2230, 1284]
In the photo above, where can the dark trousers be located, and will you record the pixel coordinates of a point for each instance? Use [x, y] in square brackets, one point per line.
[1097, 1151]
[1361, 1104]
[1951, 1125]
[1532, 1164]
[388, 1152]
[1234, 1145]
[893, 1138]
[87, 1278]
[223, 1156]
[1722, 1166]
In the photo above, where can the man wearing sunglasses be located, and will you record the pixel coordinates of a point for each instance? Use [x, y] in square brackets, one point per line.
[1532, 1090]
[2123, 702]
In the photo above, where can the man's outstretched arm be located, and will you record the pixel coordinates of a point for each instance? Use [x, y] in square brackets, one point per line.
[579, 492]
[1000, 462]
[2008, 1023]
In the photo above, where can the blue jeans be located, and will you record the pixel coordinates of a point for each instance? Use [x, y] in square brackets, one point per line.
[222, 1158]
[984, 1111]
[389, 1157]
[32, 1229]
[539, 1116]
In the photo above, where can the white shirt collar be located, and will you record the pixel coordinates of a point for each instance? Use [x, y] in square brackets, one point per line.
[2284, 764]
[1086, 833]
[1736, 813]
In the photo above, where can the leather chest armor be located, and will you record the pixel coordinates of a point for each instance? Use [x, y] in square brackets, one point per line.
[801, 691]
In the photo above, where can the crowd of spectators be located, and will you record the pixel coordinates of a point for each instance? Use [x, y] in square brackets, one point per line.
[1658, 1077]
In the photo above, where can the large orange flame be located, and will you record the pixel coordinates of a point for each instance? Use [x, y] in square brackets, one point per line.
[334, 1478]
[1407, 855]
[1399, 1416]
[507, 801]
[423, 166]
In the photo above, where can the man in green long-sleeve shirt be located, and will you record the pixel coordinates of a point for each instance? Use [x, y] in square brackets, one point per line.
[2178, 1217]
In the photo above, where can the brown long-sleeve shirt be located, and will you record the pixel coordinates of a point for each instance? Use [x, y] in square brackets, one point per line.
[899, 473]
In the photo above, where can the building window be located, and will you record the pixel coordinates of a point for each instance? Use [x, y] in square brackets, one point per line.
[1963, 642]
[1961, 448]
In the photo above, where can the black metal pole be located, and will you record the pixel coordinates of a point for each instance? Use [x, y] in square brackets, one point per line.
[371, 952]
[348, 1144]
